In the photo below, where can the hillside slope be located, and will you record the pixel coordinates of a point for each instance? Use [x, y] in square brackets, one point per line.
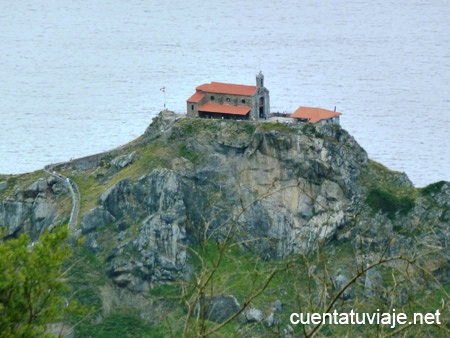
[238, 202]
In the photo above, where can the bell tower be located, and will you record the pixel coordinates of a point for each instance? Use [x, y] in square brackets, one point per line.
[262, 97]
[260, 80]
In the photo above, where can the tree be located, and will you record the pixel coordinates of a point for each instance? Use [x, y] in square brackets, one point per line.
[32, 283]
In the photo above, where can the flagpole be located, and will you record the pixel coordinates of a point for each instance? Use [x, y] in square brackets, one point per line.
[163, 89]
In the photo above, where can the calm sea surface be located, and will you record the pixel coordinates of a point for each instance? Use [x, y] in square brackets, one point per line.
[80, 77]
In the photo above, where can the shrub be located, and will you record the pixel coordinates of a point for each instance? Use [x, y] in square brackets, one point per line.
[388, 203]
[33, 284]
[432, 188]
[187, 153]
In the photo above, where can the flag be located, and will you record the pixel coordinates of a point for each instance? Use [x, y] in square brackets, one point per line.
[163, 89]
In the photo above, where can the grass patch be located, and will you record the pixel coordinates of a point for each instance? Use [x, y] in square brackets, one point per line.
[269, 126]
[310, 129]
[19, 182]
[432, 188]
[249, 128]
[90, 189]
[117, 325]
[377, 175]
[239, 273]
[389, 203]
[151, 156]
[184, 151]
[193, 127]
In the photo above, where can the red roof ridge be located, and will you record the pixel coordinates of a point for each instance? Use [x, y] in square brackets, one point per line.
[314, 114]
[196, 97]
[227, 88]
[224, 109]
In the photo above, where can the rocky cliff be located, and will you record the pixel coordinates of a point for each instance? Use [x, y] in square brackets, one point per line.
[32, 206]
[274, 190]
[287, 188]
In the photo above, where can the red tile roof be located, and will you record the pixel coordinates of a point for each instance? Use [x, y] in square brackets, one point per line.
[196, 97]
[227, 88]
[224, 109]
[314, 115]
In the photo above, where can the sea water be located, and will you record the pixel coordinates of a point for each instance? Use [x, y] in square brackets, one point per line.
[80, 77]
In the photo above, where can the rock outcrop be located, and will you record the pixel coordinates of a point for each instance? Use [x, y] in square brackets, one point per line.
[34, 208]
[157, 252]
[285, 190]
[276, 190]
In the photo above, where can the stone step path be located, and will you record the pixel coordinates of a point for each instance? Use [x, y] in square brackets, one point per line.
[75, 194]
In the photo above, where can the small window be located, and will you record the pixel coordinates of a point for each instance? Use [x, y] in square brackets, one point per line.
[228, 99]
[243, 100]
[212, 98]
[192, 107]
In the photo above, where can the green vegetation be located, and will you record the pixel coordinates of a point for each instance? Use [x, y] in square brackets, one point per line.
[33, 285]
[89, 187]
[268, 126]
[185, 152]
[432, 188]
[389, 203]
[302, 282]
[93, 183]
[310, 129]
[386, 192]
[249, 128]
[377, 175]
[237, 270]
[212, 129]
[124, 325]
[86, 277]
[15, 182]
[149, 157]
[194, 127]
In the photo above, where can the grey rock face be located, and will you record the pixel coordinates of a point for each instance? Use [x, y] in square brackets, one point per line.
[283, 192]
[277, 306]
[218, 308]
[120, 200]
[253, 315]
[96, 218]
[43, 214]
[91, 242]
[288, 332]
[12, 215]
[372, 283]
[443, 196]
[31, 210]
[340, 281]
[124, 160]
[310, 179]
[35, 188]
[158, 250]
